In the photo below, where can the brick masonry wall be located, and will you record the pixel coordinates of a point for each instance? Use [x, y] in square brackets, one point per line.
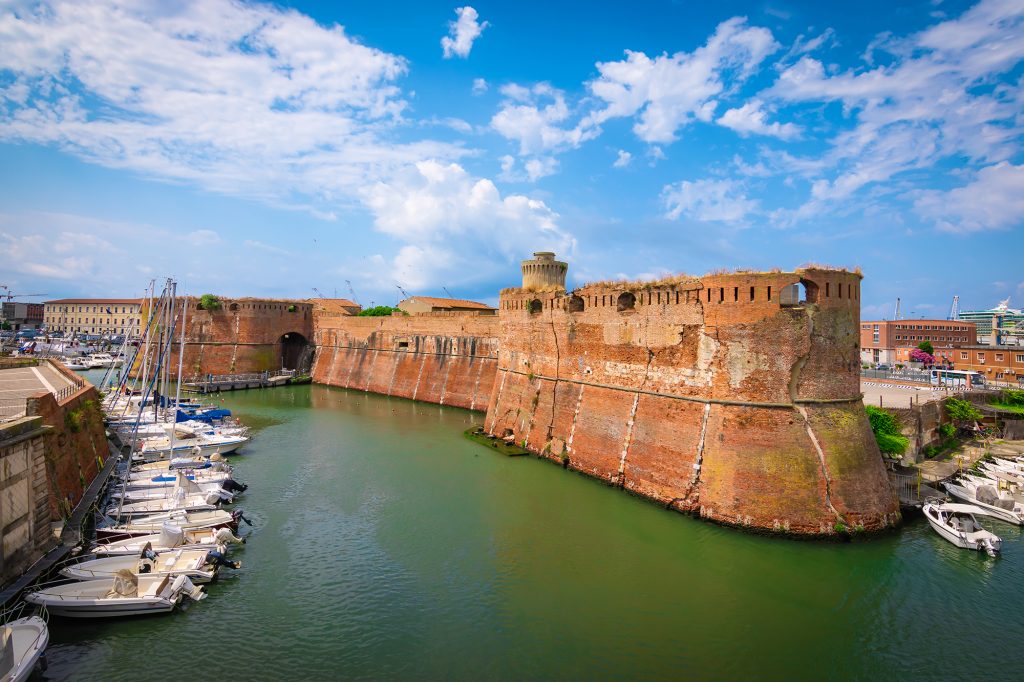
[446, 359]
[241, 336]
[24, 496]
[706, 395]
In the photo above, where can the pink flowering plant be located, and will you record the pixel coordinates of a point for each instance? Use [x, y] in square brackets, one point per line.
[918, 355]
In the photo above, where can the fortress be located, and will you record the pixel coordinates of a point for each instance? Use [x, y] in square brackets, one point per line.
[732, 396]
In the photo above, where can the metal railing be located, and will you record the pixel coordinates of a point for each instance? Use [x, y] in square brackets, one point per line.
[13, 408]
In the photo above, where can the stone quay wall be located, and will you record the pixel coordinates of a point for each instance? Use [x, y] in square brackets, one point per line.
[444, 358]
[24, 491]
[244, 335]
[726, 395]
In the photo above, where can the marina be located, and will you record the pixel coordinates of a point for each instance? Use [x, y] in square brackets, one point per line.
[380, 532]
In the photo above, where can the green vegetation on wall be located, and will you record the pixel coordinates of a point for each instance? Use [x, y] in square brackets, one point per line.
[209, 302]
[380, 311]
[962, 411]
[887, 431]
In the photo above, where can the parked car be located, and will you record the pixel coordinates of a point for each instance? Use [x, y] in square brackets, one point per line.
[884, 367]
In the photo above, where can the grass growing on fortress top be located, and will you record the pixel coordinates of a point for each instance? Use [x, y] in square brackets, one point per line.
[679, 279]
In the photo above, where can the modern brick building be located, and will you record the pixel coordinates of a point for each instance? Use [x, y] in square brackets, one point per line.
[995, 363]
[104, 316]
[891, 341]
[22, 315]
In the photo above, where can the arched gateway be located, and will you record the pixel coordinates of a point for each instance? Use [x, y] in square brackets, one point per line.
[293, 346]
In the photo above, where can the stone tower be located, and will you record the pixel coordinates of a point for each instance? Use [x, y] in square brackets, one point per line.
[544, 273]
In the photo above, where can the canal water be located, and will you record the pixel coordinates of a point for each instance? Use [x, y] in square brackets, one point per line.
[387, 546]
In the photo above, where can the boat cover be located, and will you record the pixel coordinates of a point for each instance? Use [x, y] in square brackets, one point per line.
[126, 584]
[989, 495]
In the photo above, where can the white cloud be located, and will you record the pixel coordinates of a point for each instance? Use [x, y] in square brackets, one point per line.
[750, 119]
[462, 33]
[623, 159]
[670, 92]
[479, 86]
[994, 200]
[458, 226]
[530, 116]
[707, 200]
[203, 238]
[932, 99]
[161, 89]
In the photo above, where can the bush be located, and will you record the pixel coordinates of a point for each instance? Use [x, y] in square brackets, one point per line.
[291, 309]
[887, 431]
[1013, 397]
[961, 411]
[922, 356]
[926, 346]
[947, 431]
[380, 311]
[209, 302]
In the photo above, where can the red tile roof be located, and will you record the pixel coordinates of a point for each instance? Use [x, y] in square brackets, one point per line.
[448, 302]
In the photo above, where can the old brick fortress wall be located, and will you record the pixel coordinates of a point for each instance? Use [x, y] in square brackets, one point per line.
[714, 395]
[444, 358]
[243, 335]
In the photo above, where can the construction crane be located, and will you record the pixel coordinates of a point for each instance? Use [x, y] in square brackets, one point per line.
[404, 292]
[954, 310]
[447, 292]
[898, 312]
[11, 295]
[351, 291]
[318, 293]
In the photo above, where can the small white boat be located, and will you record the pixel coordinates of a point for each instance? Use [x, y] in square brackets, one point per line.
[23, 642]
[176, 502]
[190, 563]
[126, 594]
[95, 360]
[157, 449]
[170, 538]
[147, 525]
[149, 481]
[75, 364]
[996, 504]
[957, 524]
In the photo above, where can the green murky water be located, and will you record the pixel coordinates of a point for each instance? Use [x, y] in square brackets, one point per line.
[387, 546]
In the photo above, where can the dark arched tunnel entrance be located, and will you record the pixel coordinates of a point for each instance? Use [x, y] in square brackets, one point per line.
[294, 351]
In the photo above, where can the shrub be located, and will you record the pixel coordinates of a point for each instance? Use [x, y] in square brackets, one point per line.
[291, 309]
[380, 311]
[887, 431]
[209, 302]
[947, 431]
[918, 355]
[1013, 397]
[927, 347]
[962, 410]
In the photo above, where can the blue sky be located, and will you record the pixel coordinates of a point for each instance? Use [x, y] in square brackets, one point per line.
[258, 149]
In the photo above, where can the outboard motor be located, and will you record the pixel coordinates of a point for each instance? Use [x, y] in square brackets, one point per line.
[233, 486]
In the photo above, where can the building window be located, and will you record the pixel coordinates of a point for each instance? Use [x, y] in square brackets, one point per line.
[999, 357]
[963, 356]
[1020, 358]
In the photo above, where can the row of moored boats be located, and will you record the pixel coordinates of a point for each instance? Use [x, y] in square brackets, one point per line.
[994, 489]
[165, 523]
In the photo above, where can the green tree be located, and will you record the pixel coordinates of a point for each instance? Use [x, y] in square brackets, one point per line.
[962, 411]
[380, 311]
[926, 346]
[209, 302]
[887, 431]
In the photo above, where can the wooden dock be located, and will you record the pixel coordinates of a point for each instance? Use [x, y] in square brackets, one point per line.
[217, 383]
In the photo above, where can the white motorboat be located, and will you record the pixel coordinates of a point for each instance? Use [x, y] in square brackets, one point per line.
[178, 501]
[190, 563]
[214, 462]
[1005, 483]
[23, 642]
[150, 481]
[989, 498]
[957, 524]
[75, 364]
[169, 538]
[156, 449]
[95, 360]
[126, 594]
[148, 525]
